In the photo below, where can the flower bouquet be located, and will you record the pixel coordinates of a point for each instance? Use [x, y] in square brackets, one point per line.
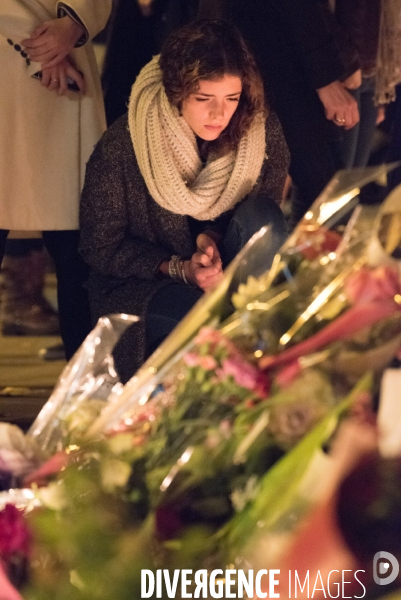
[188, 481]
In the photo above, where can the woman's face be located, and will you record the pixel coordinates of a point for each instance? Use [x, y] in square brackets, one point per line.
[208, 110]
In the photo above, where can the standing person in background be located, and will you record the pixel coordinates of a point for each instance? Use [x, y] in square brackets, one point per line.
[302, 71]
[53, 115]
[357, 27]
[372, 29]
[131, 43]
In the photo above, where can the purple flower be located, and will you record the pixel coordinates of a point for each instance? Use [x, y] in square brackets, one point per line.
[15, 537]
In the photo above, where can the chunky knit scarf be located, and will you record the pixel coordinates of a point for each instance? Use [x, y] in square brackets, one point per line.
[388, 64]
[168, 157]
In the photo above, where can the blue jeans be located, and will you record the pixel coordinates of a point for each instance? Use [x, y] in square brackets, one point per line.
[354, 149]
[394, 149]
[170, 304]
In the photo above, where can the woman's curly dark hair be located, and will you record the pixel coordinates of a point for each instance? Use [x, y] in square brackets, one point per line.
[209, 49]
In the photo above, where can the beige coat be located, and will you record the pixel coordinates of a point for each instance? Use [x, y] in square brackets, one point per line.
[45, 139]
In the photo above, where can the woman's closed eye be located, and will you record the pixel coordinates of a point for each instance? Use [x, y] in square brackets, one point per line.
[202, 99]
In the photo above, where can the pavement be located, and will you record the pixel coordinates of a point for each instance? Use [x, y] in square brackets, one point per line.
[26, 380]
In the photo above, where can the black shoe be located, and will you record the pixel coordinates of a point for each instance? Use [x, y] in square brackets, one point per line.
[55, 352]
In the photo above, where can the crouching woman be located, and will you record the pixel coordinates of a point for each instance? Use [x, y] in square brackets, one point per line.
[177, 187]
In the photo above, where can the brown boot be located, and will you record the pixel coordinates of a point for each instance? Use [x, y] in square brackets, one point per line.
[24, 309]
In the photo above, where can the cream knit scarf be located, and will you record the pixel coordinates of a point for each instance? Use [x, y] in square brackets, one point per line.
[168, 157]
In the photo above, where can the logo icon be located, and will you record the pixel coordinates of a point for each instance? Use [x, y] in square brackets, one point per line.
[385, 568]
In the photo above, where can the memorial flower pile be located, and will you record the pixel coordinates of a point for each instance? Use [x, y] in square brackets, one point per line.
[206, 450]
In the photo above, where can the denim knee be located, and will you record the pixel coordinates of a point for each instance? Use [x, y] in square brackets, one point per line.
[250, 216]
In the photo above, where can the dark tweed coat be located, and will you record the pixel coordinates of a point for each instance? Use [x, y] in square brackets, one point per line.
[125, 234]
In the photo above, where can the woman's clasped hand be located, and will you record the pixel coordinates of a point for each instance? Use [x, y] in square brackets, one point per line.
[59, 78]
[51, 44]
[53, 40]
[205, 269]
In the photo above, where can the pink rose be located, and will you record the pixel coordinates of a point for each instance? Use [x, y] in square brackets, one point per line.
[246, 375]
[208, 363]
[215, 339]
[208, 334]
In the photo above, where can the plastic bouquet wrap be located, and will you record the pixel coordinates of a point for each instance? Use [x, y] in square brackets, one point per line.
[219, 442]
[87, 383]
[18, 456]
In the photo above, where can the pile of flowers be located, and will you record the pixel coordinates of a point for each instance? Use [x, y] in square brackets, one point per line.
[205, 451]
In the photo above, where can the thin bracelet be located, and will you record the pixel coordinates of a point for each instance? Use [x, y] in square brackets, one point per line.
[183, 276]
[174, 267]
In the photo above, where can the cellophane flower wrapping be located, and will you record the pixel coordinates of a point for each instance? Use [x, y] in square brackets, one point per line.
[87, 383]
[206, 450]
[18, 456]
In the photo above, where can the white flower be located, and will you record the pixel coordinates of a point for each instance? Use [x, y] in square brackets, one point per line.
[53, 496]
[241, 497]
[303, 404]
[115, 474]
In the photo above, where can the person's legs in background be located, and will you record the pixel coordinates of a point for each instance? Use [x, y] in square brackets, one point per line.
[347, 145]
[71, 272]
[394, 150]
[354, 149]
[3, 240]
[24, 308]
[368, 116]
